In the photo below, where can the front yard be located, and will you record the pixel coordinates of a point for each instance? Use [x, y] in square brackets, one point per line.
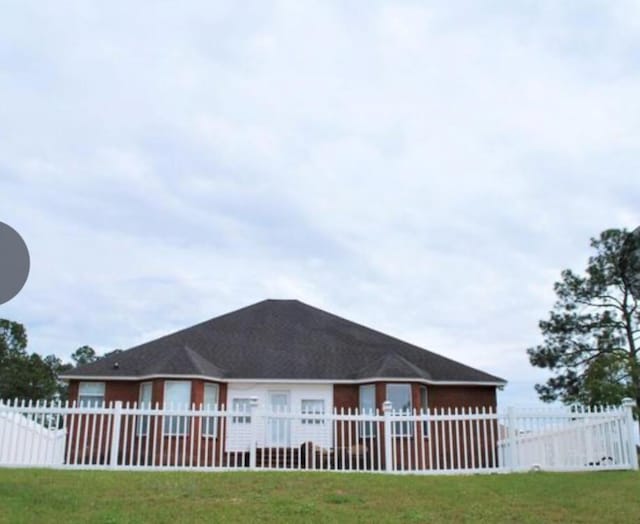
[102, 496]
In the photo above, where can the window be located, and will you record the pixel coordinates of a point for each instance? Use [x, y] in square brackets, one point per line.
[368, 399]
[90, 394]
[177, 395]
[368, 407]
[312, 407]
[424, 405]
[400, 397]
[209, 426]
[144, 398]
[241, 405]
[144, 402]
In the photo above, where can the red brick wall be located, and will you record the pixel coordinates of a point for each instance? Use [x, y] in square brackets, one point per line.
[222, 394]
[157, 391]
[73, 391]
[197, 392]
[124, 391]
[345, 396]
[461, 396]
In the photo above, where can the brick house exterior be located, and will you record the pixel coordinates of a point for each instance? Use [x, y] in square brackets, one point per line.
[285, 353]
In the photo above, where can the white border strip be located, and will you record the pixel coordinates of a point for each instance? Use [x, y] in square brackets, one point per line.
[287, 380]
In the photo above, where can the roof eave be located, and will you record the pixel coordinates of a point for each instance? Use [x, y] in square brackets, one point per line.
[290, 380]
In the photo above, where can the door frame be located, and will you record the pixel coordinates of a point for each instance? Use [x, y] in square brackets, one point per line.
[279, 427]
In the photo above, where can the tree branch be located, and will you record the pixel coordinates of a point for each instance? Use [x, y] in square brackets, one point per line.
[592, 304]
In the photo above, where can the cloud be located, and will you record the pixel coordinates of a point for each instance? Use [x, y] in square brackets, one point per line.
[426, 169]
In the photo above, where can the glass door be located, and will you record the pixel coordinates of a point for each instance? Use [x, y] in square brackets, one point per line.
[279, 430]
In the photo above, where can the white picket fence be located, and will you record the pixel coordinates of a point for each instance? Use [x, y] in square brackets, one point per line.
[447, 441]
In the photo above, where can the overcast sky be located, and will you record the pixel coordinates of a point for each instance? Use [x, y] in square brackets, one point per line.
[426, 169]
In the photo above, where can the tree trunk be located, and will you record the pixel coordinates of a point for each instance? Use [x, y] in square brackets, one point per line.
[634, 367]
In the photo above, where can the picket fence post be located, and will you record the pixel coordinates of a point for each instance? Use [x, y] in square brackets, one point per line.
[513, 433]
[388, 452]
[628, 404]
[115, 434]
[253, 405]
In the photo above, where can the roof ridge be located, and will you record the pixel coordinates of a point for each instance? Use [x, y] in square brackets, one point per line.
[196, 325]
[191, 356]
[395, 339]
[376, 367]
[196, 359]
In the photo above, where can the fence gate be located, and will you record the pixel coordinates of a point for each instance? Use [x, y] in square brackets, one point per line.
[577, 439]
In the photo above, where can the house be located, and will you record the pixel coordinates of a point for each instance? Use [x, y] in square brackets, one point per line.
[287, 357]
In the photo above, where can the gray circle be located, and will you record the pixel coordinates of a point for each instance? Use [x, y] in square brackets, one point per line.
[14, 263]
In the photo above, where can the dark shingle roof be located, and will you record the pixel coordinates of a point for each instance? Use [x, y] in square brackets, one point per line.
[282, 339]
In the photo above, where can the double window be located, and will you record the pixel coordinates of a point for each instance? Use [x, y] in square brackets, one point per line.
[90, 394]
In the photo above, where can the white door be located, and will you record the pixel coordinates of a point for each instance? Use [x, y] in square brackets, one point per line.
[279, 430]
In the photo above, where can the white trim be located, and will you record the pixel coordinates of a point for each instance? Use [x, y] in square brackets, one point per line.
[287, 380]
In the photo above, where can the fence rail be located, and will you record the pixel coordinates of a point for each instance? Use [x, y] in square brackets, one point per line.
[124, 436]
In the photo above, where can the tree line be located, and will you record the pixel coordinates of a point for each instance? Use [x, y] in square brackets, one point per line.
[30, 376]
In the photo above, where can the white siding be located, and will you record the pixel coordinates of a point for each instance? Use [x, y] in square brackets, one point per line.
[239, 436]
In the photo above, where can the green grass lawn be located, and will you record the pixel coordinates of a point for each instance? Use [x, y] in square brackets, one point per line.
[102, 496]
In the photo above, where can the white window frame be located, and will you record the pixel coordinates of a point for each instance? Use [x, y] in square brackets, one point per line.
[142, 404]
[176, 425]
[143, 420]
[241, 405]
[91, 398]
[367, 428]
[308, 413]
[210, 424]
[400, 428]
